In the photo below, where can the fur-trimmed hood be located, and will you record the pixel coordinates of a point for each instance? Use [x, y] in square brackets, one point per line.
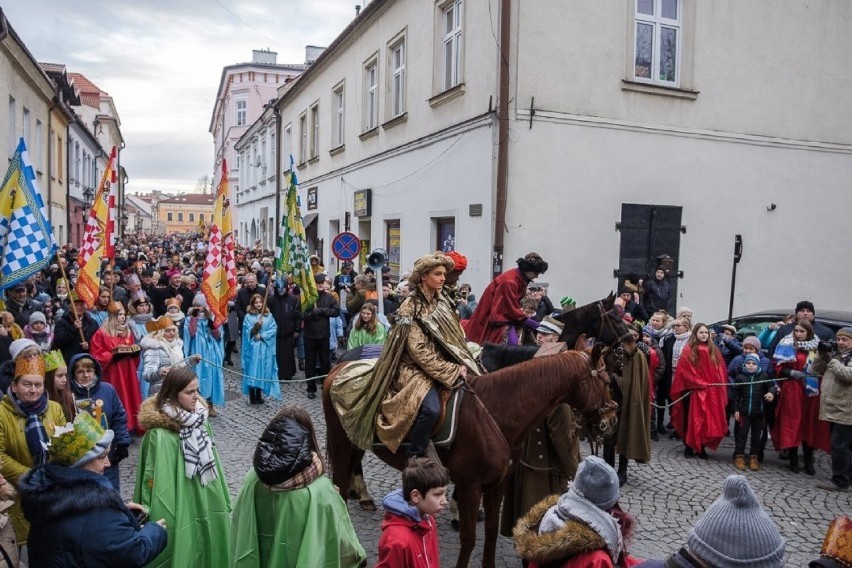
[150, 416]
[53, 492]
[570, 540]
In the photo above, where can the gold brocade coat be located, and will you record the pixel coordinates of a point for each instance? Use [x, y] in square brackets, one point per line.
[433, 350]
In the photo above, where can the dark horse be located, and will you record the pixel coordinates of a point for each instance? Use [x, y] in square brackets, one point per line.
[496, 415]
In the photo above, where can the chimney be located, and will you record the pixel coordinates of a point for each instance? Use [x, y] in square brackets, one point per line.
[311, 53]
[264, 56]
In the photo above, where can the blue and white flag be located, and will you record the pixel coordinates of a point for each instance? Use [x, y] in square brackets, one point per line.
[26, 238]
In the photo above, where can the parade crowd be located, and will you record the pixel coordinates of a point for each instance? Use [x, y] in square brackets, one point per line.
[148, 359]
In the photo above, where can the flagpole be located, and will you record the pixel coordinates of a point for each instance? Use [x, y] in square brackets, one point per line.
[68, 287]
[111, 266]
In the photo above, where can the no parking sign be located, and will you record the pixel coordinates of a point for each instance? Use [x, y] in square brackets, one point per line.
[346, 246]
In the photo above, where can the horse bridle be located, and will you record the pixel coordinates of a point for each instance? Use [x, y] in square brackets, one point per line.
[606, 320]
[600, 409]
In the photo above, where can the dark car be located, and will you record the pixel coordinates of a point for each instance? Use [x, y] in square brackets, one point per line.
[757, 322]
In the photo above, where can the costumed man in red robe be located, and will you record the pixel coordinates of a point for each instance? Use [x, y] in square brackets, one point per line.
[498, 316]
[700, 418]
[115, 348]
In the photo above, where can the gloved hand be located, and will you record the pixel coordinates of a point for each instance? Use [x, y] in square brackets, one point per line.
[531, 324]
[797, 375]
[119, 454]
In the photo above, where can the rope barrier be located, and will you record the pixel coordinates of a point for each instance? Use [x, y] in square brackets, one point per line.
[672, 403]
[192, 359]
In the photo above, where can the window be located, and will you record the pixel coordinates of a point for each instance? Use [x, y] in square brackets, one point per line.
[239, 160]
[338, 117]
[303, 138]
[445, 234]
[13, 126]
[25, 123]
[263, 159]
[77, 161]
[658, 40]
[37, 148]
[288, 145]
[60, 149]
[170, 216]
[397, 68]
[371, 104]
[201, 217]
[241, 113]
[314, 131]
[452, 27]
[191, 217]
[180, 216]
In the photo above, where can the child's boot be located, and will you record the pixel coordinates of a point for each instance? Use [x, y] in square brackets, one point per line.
[739, 462]
[754, 464]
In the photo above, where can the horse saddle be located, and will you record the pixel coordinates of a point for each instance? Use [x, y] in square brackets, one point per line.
[447, 426]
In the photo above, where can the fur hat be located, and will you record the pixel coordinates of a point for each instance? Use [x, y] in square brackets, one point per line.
[428, 262]
[17, 347]
[29, 366]
[532, 262]
[78, 444]
[805, 305]
[753, 341]
[736, 531]
[459, 260]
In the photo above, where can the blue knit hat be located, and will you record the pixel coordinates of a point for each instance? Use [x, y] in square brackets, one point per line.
[751, 357]
[736, 532]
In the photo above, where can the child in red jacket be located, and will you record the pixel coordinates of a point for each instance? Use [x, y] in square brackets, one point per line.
[409, 533]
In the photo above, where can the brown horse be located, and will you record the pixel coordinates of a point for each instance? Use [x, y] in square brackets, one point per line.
[496, 415]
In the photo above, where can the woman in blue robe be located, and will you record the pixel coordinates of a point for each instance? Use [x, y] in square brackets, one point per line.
[202, 337]
[260, 367]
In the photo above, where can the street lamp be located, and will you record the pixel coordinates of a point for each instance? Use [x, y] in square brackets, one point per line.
[88, 195]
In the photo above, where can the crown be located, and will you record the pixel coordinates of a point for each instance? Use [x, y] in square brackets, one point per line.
[161, 322]
[29, 366]
[73, 441]
[173, 302]
[53, 360]
[115, 307]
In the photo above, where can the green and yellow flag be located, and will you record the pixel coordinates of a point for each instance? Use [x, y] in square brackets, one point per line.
[291, 254]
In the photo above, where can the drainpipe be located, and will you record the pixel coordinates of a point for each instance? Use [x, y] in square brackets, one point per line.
[503, 143]
[276, 111]
[50, 164]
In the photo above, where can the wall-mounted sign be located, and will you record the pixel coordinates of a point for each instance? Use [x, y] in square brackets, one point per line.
[363, 203]
[312, 198]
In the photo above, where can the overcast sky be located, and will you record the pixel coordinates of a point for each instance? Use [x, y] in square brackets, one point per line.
[161, 61]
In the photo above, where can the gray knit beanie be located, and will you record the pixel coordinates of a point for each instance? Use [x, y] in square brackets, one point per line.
[735, 531]
[597, 482]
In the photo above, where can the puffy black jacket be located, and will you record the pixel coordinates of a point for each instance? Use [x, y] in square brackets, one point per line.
[316, 319]
[283, 451]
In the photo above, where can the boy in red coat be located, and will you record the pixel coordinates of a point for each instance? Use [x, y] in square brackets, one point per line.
[409, 532]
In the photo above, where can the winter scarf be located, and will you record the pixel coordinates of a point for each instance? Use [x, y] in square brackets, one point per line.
[571, 506]
[34, 432]
[141, 319]
[785, 351]
[196, 444]
[174, 349]
[177, 318]
[680, 341]
[303, 478]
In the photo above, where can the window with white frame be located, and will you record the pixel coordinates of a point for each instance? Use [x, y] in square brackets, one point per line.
[180, 216]
[77, 161]
[192, 216]
[303, 138]
[241, 112]
[371, 104]
[657, 47]
[288, 145]
[315, 131]
[452, 28]
[263, 159]
[397, 69]
[26, 128]
[338, 117]
[37, 151]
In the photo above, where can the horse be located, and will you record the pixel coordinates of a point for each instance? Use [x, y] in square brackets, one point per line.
[496, 414]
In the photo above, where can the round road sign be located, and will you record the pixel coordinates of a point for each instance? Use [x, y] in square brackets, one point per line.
[346, 246]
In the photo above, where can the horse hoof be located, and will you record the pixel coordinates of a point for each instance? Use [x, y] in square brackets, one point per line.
[367, 505]
[454, 523]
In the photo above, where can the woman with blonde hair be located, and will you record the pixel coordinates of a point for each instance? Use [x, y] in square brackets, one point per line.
[260, 367]
[367, 330]
[114, 347]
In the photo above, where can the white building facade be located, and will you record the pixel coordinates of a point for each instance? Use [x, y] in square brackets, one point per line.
[634, 129]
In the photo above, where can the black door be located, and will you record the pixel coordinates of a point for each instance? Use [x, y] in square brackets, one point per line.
[647, 233]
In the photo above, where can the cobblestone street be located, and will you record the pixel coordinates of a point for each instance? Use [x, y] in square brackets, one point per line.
[666, 495]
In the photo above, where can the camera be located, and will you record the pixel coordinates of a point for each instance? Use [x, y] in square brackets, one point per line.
[829, 346]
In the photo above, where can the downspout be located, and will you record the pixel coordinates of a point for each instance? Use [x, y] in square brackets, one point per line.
[276, 111]
[50, 165]
[503, 140]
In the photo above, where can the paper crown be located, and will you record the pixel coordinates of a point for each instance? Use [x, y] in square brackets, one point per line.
[138, 297]
[172, 302]
[72, 442]
[74, 297]
[29, 366]
[161, 322]
[115, 307]
[53, 360]
[837, 545]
